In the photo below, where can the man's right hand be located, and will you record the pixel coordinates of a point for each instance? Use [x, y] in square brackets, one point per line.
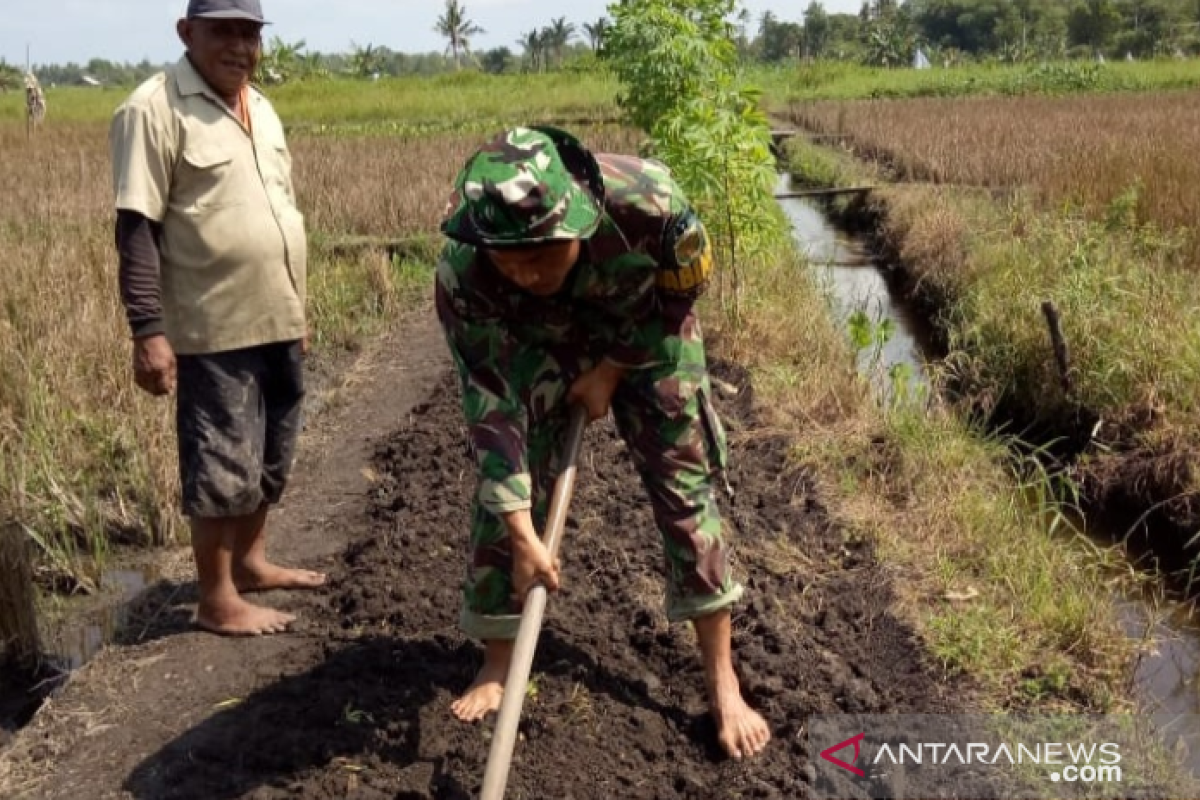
[154, 365]
[531, 559]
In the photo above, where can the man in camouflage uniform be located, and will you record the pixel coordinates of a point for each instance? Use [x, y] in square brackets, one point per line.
[572, 279]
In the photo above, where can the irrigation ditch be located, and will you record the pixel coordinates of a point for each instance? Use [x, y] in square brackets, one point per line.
[862, 273]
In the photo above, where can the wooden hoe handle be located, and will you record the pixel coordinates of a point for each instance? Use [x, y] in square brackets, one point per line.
[495, 778]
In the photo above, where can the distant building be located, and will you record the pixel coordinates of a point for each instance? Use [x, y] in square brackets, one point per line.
[90, 81]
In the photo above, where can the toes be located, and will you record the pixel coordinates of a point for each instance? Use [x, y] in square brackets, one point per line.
[472, 707]
[745, 738]
[464, 709]
[731, 748]
[757, 737]
[469, 713]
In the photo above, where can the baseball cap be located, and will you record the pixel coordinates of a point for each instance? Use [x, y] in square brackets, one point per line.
[226, 9]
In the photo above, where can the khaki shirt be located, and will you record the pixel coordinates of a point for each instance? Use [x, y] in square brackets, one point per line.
[233, 248]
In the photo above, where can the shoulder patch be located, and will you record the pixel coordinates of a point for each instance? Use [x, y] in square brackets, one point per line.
[686, 264]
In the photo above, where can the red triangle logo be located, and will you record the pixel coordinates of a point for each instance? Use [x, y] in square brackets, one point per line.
[856, 742]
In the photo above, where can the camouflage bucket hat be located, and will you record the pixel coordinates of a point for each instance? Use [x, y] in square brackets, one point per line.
[527, 186]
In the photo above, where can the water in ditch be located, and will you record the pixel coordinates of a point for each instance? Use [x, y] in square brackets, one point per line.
[1165, 675]
[70, 639]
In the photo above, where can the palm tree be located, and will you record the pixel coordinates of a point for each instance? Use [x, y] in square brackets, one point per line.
[558, 36]
[457, 29]
[595, 32]
[534, 46]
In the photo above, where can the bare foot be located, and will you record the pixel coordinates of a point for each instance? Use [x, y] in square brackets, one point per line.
[484, 695]
[741, 731]
[266, 576]
[236, 617]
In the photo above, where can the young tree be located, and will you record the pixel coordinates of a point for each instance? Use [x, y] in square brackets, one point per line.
[890, 39]
[678, 63]
[457, 29]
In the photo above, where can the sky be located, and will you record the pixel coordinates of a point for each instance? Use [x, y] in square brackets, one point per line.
[61, 31]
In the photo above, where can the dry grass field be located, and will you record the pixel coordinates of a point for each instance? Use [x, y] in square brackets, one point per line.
[1087, 150]
[85, 458]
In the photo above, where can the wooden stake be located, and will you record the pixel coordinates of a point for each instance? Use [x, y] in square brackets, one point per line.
[1062, 356]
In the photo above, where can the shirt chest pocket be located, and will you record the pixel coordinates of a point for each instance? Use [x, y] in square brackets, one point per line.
[275, 163]
[208, 179]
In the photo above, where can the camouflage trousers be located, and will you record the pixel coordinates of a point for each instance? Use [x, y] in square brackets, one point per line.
[678, 447]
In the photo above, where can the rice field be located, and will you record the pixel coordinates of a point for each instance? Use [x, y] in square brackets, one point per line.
[1136, 151]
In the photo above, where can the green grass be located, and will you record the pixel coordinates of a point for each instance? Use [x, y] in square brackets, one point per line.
[351, 299]
[473, 99]
[1130, 319]
[431, 104]
[997, 592]
[845, 81]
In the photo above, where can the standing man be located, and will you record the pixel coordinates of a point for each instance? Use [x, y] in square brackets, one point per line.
[212, 273]
[572, 279]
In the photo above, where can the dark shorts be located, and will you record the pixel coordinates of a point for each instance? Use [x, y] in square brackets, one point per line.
[238, 418]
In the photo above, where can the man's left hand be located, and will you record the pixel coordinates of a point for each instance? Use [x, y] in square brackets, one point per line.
[594, 389]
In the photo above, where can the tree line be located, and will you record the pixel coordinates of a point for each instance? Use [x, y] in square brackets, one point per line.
[887, 32]
[882, 33]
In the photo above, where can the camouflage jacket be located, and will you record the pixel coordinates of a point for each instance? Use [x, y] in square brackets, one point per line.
[634, 285]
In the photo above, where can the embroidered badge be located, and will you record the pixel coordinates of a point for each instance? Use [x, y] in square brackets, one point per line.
[687, 246]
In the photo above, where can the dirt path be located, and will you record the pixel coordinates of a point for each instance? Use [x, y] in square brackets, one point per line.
[354, 704]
